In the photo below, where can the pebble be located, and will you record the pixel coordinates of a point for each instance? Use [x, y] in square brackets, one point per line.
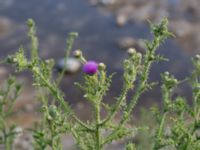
[128, 42]
[191, 6]
[121, 20]
[181, 28]
[123, 15]
[5, 24]
[23, 142]
[3, 71]
[139, 13]
[102, 2]
[72, 65]
[142, 13]
[108, 2]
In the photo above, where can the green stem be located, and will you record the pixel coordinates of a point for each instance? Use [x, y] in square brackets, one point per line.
[196, 110]
[57, 95]
[162, 124]
[6, 141]
[97, 132]
[69, 42]
[138, 93]
[34, 40]
[143, 80]
[8, 145]
[158, 136]
[117, 106]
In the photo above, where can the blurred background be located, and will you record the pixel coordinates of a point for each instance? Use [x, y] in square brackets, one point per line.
[107, 28]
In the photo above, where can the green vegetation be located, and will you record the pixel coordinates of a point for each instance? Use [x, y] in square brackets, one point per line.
[176, 126]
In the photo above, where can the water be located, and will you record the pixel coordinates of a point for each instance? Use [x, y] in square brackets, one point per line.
[97, 35]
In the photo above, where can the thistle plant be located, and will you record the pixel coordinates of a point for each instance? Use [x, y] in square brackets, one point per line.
[58, 118]
[182, 132]
[8, 96]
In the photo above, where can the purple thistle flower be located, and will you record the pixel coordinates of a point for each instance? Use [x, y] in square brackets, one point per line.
[90, 67]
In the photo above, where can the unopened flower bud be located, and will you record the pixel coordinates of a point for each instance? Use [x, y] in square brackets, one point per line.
[77, 53]
[101, 66]
[166, 73]
[36, 69]
[53, 111]
[151, 57]
[14, 60]
[126, 63]
[48, 61]
[139, 55]
[30, 23]
[197, 56]
[131, 51]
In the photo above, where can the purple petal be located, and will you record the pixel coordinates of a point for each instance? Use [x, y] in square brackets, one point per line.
[90, 67]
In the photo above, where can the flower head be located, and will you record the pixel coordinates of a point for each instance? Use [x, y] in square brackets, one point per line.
[90, 67]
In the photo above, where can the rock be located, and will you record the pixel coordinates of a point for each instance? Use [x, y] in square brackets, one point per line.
[128, 42]
[3, 71]
[72, 65]
[191, 6]
[190, 41]
[93, 2]
[121, 20]
[107, 2]
[181, 28]
[142, 13]
[160, 14]
[5, 24]
[23, 142]
[140, 44]
[123, 15]
[102, 2]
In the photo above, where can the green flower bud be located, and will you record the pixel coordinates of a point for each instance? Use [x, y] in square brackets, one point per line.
[77, 53]
[53, 111]
[130, 146]
[101, 66]
[197, 56]
[139, 55]
[14, 60]
[166, 73]
[36, 69]
[131, 51]
[126, 63]
[30, 23]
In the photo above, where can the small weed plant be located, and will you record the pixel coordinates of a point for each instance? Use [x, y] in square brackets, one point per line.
[8, 95]
[177, 122]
